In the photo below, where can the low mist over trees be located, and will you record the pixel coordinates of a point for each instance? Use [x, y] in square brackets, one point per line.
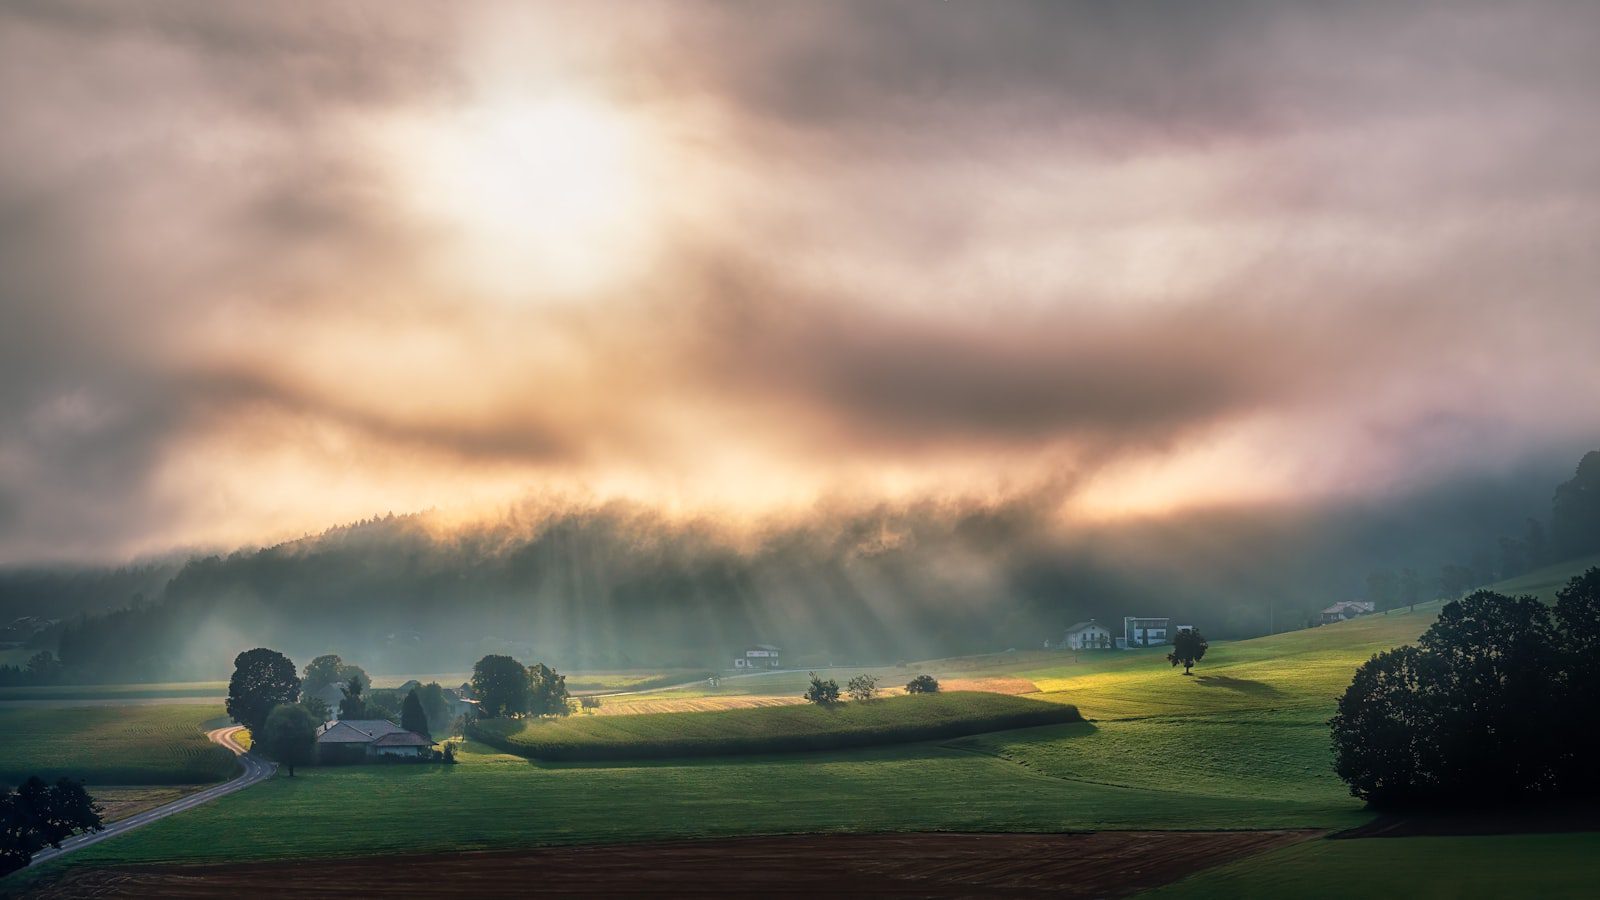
[619, 586]
[1494, 704]
[262, 679]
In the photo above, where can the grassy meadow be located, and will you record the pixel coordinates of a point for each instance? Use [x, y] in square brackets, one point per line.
[122, 745]
[773, 729]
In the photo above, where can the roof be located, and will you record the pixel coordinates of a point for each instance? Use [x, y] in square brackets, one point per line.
[764, 647]
[1085, 626]
[402, 739]
[357, 731]
[1342, 605]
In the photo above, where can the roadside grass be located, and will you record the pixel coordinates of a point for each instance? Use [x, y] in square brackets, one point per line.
[1520, 865]
[126, 745]
[493, 800]
[773, 729]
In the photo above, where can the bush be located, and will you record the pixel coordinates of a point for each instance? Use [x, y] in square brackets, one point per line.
[923, 684]
[822, 693]
[863, 687]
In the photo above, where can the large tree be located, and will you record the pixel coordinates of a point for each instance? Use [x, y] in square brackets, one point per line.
[38, 815]
[1469, 715]
[1575, 511]
[290, 735]
[353, 705]
[261, 680]
[438, 707]
[547, 691]
[329, 669]
[412, 716]
[501, 685]
[1188, 648]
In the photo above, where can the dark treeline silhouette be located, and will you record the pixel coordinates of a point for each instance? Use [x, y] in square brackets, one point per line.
[1493, 705]
[618, 586]
[38, 815]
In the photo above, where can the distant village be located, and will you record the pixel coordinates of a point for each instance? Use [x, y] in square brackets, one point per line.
[1154, 631]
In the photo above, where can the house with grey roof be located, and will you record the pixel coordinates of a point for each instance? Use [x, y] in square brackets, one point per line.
[364, 740]
[1090, 635]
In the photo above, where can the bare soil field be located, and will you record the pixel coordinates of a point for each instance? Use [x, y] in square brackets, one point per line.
[121, 802]
[1103, 864]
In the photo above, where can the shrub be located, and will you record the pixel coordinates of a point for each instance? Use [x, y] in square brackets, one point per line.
[822, 693]
[863, 687]
[923, 684]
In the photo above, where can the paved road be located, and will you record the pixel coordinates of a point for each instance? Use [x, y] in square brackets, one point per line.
[255, 769]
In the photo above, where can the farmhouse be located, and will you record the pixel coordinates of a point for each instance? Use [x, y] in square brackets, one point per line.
[760, 656]
[1143, 631]
[1083, 636]
[1347, 609]
[354, 740]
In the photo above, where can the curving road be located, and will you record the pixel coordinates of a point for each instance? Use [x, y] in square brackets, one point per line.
[255, 770]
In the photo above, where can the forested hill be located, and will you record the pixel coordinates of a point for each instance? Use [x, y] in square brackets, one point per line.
[617, 585]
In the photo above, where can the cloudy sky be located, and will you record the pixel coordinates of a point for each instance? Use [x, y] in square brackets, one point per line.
[266, 270]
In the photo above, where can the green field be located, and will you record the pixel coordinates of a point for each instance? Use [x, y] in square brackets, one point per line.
[123, 745]
[776, 729]
[116, 692]
[1241, 745]
[1522, 865]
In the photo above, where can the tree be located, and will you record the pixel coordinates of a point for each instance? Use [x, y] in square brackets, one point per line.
[1464, 716]
[1454, 581]
[38, 815]
[353, 706]
[863, 687]
[317, 707]
[501, 685]
[412, 716]
[330, 669]
[547, 691]
[1188, 648]
[438, 708]
[1575, 511]
[1381, 587]
[290, 735]
[1410, 588]
[822, 693]
[261, 679]
[923, 684]
[43, 667]
[1577, 620]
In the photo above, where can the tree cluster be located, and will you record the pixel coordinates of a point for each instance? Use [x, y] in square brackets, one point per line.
[38, 815]
[1493, 705]
[505, 688]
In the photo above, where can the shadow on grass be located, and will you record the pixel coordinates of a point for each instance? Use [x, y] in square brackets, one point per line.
[1242, 685]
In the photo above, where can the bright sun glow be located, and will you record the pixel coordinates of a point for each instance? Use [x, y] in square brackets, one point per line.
[543, 198]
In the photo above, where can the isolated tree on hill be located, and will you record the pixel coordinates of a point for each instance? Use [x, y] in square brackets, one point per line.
[38, 815]
[500, 684]
[353, 706]
[822, 693]
[863, 687]
[547, 691]
[412, 715]
[290, 735]
[261, 679]
[1188, 648]
[923, 684]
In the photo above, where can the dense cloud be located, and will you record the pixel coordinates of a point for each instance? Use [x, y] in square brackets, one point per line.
[263, 269]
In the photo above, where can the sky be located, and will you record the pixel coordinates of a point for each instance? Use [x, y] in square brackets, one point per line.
[264, 270]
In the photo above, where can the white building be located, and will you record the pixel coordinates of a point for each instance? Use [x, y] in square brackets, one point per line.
[1144, 631]
[761, 656]
[1088, 635]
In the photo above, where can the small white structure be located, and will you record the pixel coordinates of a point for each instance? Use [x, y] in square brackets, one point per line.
[1088, 635]
[1143, 631]
[761, 656]
[1347, 609]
